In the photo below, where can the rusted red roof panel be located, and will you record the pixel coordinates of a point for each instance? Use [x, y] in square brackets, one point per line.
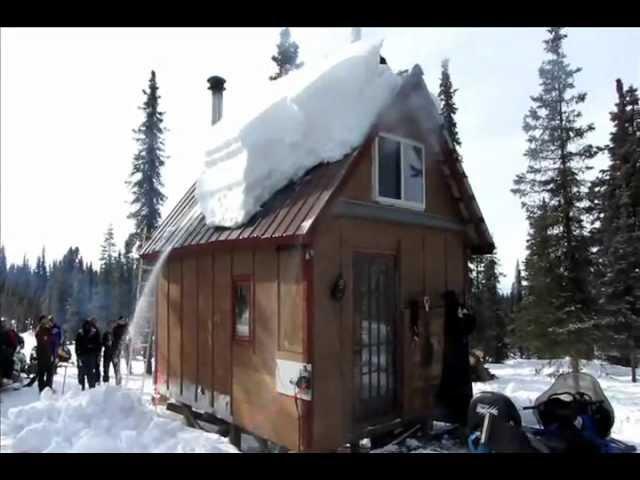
[285, 214]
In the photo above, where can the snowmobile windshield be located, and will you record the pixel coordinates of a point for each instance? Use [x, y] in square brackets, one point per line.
[577, 387]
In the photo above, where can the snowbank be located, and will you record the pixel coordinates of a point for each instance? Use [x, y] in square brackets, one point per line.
[104, 419]
[313, 115]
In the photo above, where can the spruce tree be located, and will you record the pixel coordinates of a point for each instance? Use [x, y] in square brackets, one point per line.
[3, 264]
[515, 298]
[490, 334]
[516, 288]
[92, 282]
[41, 275]
[78, 306]
[121, 290]
[108, 248]
[448, 106]
[476, 267]
[3, 278]
[536, 315]
[286, 59]
[130, 279]
[496, 339]
[103, 298]
[49, 295]
[59, 288]
[145, 181]
[557, 157]
[616, 197]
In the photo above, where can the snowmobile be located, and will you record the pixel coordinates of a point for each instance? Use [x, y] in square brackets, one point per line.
[32, 367]
[574, 415]
[16, 380]
[20, 362]
[63, 356]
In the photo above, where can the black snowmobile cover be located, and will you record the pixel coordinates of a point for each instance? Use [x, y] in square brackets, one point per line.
[581, 383]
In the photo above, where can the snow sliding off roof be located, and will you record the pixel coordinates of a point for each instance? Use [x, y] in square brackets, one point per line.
[314, 115]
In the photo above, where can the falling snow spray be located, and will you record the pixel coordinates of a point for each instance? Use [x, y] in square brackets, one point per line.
[145, 304]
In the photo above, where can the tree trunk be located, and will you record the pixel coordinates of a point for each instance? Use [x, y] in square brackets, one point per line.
[149, 366]
[575, 364]
[634, 360]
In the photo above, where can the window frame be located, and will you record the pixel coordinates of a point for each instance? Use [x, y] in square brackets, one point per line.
[242, 280]
[376, 186]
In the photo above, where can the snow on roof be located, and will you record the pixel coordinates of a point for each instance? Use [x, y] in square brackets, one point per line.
[313, 115]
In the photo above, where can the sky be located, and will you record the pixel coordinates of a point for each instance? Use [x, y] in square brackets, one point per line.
[70, 98]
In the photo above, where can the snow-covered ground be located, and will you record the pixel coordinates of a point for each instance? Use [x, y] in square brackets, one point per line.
[122, 419]
[104, 419]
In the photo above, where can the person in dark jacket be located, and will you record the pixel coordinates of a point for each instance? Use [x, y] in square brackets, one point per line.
[87, 346]
[119, 339]
[56, 331]
[8, 345]
[455, 390]
[57, 334]
[107, 355]
[45, 353]
[96, 373]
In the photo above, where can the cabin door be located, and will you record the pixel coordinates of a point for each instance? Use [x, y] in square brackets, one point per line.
[374, 314]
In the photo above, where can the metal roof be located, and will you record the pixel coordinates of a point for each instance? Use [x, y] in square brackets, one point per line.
[289, 213]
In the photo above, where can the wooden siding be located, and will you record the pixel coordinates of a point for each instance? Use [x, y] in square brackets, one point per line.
[204, 383]
[422, 267]
[197, 354]
[291, 301]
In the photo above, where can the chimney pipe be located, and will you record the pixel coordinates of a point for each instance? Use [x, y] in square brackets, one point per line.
[356, 34]
[216, 85]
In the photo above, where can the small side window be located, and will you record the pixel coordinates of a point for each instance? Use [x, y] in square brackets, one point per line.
[413, 171]
[242, 308]
[389, 169]
[399, 172]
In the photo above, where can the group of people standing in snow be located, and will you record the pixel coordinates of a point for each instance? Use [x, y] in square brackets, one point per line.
[91, 346]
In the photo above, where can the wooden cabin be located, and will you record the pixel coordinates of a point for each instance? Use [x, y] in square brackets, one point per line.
[298, 326]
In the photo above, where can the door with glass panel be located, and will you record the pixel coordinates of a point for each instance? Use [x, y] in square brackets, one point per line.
[374, 315]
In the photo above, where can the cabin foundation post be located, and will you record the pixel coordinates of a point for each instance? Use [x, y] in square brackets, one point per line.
[235, 436]
[427, 426]
[262, 444]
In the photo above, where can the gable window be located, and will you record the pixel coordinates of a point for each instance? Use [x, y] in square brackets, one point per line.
[399, 171]
[242, 307]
